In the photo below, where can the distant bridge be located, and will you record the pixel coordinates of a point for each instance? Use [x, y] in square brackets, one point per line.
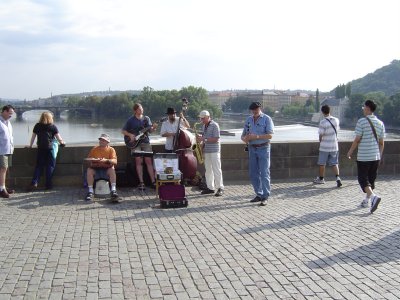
[56, 110]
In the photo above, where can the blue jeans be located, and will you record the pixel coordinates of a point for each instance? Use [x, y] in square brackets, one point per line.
[46, 160]
[259, 163]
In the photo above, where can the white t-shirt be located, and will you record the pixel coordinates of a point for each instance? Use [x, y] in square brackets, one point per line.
[329, 141]
[6, 137]
[168, 127]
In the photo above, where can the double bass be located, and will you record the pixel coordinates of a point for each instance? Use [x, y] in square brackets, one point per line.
[183, 148]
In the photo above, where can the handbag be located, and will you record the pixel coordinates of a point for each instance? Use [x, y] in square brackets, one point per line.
[54, 148]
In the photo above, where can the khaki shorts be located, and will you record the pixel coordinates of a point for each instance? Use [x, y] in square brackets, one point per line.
[143, 147]
[5, 161]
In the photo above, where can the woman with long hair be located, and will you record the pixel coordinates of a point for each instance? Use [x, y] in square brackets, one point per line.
[46, 132]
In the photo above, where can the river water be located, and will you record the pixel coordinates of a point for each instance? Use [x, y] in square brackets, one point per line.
[87, 131]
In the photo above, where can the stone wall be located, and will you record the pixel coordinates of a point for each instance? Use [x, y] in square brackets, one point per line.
[288, 160]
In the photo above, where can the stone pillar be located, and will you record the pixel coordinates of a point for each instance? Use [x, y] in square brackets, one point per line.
[19, 113]
[57, 113]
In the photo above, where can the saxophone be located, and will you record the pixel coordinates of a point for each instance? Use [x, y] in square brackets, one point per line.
[197, 147]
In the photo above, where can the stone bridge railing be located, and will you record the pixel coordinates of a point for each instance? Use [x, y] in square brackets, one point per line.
[288, 160]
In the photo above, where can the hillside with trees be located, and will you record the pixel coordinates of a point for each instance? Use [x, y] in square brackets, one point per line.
[385, 79]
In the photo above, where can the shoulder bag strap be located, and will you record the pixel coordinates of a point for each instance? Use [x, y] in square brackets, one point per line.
[373, 129]
[332, 125]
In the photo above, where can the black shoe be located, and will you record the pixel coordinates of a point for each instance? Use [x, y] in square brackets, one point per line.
[219, 193]
[153, 185]
[114, 196]
[256, 199]
[4, 194]
[338, 183]
[207, 191]
[89, 196]
[10, 191]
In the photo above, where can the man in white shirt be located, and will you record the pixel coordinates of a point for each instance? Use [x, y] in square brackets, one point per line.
[328, 147]
[170, 127]
[6, 148]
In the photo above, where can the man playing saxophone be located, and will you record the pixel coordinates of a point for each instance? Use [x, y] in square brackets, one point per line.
[170, 127]
[212, 154]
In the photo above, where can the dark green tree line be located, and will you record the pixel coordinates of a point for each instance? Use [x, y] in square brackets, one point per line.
[154, 102]
[342, 90]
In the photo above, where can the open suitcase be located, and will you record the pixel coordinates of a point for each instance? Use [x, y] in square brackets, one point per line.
[165, 161]
[172, 195]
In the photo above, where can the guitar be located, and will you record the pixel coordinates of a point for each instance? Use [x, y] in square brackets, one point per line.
[140, 137]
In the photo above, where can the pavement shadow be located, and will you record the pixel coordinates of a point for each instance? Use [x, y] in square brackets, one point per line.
[158, 212]
[43, 198]
[292, 221]
[129, 200]
[384, 250]
[306, 190]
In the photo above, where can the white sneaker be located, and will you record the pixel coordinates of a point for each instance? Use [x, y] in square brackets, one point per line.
[375, 200]
[364, 203]
[319, 181]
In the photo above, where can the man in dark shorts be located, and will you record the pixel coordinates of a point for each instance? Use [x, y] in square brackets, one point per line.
[370, 132]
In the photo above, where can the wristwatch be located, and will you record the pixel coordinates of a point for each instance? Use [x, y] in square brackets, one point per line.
[205, 140]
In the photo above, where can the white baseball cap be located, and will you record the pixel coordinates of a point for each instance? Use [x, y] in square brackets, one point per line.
[204, 113]
[105, 137]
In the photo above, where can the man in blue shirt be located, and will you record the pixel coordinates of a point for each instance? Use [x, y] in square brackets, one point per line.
[132, 128]
[257, 133]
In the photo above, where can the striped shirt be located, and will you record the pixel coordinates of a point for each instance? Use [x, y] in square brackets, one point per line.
[211, 130]
[368, 148]
[329, 141]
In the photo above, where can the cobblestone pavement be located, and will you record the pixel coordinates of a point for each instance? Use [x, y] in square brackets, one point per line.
[309, 242]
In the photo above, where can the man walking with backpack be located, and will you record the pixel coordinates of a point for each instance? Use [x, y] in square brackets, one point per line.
[370, 132]
[328, 147]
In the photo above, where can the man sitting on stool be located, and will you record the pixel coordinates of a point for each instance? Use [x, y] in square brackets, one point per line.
[102, 166]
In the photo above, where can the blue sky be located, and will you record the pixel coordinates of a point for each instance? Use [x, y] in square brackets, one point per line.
[70, 46]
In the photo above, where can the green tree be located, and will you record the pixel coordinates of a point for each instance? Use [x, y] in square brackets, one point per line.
[116, 106]
[317, 102]
[239, 104]
[354, 110]
[340, 91]
[154, 102]
[348, 89]
[296, 110]
[391, 110]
